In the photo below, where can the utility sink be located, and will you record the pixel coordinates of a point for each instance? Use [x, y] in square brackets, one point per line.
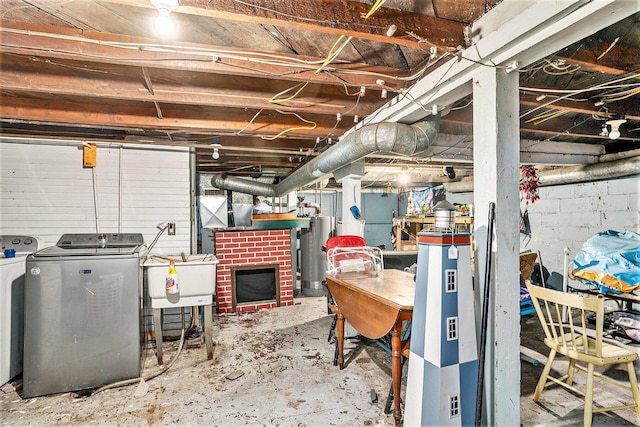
[196, 275]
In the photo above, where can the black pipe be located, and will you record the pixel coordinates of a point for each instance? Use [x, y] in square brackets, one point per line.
[485, 309]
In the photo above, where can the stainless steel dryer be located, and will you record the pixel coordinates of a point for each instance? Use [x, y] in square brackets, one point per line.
[83, 308]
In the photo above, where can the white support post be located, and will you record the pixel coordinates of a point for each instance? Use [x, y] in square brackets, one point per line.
[351, 189]
[350, 177]
[496, 176]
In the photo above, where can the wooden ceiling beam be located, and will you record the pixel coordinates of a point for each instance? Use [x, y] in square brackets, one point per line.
[629, 108]
[606, 58]
[175, 118]
[556, 127]
[333, 17]
[65, 81]
[53, 42]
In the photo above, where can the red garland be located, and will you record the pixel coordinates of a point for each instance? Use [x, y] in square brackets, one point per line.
[529, 183]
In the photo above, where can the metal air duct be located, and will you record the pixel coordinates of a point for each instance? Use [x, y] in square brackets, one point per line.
[396, 138]
[569, 175]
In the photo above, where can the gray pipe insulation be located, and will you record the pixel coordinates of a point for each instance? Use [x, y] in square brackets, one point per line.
[396, 138]
[570, 174]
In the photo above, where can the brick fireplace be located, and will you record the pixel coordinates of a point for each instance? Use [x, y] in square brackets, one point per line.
[244, 249]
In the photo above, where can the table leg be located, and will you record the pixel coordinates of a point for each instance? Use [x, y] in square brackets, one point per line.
[208, 325]
[396, 370]
[157, 329]
[340, 340]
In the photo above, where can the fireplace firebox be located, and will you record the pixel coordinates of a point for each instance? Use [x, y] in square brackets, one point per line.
[251, 284]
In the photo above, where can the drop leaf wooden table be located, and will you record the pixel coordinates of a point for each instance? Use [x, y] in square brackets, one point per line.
[375, 303]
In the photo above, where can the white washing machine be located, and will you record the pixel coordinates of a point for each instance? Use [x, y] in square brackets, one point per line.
[12, 302]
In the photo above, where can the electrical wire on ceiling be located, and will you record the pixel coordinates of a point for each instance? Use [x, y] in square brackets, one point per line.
[384, 171]
[577, 91]
[275, 100]
[313, 126]
[621, 95]
[333, 53]
[331, 22]
[217, 55]
[452, 146]
[550, 114]
[559, 68]
[238, 133]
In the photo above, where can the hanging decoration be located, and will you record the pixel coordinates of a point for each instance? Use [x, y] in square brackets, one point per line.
[529, 183]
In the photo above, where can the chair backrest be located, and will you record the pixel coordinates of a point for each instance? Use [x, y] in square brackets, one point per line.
[345, 241]
[571, 330]
[350, 253]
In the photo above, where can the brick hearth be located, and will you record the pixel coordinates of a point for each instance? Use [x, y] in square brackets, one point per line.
[252, 247]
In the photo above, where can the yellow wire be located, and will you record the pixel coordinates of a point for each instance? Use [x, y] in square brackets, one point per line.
[375, 7]
[541, 116]
[333, 54]
[635, 92]
[271, 138]
[553, 116]
[277, 101]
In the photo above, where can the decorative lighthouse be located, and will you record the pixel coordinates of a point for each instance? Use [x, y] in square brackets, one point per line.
[443, 360]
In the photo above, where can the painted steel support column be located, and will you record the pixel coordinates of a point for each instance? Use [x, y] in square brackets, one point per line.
[496, 177]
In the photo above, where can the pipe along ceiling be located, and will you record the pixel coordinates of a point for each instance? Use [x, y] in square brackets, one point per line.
[393, 138]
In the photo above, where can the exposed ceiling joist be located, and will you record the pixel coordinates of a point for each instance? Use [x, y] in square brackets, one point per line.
[72, 79]
[51, 42]
[332, 17]
[212, 120]
[516, 34]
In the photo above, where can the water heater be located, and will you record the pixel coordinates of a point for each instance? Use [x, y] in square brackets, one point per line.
[313, 261]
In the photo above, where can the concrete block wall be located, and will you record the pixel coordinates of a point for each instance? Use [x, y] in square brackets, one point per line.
[566, 216]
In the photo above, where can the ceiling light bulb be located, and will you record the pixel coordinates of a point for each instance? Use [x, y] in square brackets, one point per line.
[403, 178]
[216, 154]
[164, 24]
[615, 127]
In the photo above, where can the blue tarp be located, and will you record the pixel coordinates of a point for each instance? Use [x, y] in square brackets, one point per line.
[610, 259]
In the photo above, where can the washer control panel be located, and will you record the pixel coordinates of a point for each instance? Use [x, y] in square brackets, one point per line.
[100, 240]
[21, 244]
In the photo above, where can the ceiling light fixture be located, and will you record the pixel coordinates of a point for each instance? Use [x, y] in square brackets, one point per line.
[216, 153]
[164, 24]
[614, 133]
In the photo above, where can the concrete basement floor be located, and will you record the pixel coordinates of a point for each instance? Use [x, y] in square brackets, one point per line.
[288, 379]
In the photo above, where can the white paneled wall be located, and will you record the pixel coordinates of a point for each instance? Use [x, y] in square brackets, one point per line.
[45, 192]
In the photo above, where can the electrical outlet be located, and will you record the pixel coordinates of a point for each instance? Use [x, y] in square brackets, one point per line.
[172, 229]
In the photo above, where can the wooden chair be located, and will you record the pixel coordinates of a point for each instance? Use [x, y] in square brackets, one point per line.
[571, 339]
